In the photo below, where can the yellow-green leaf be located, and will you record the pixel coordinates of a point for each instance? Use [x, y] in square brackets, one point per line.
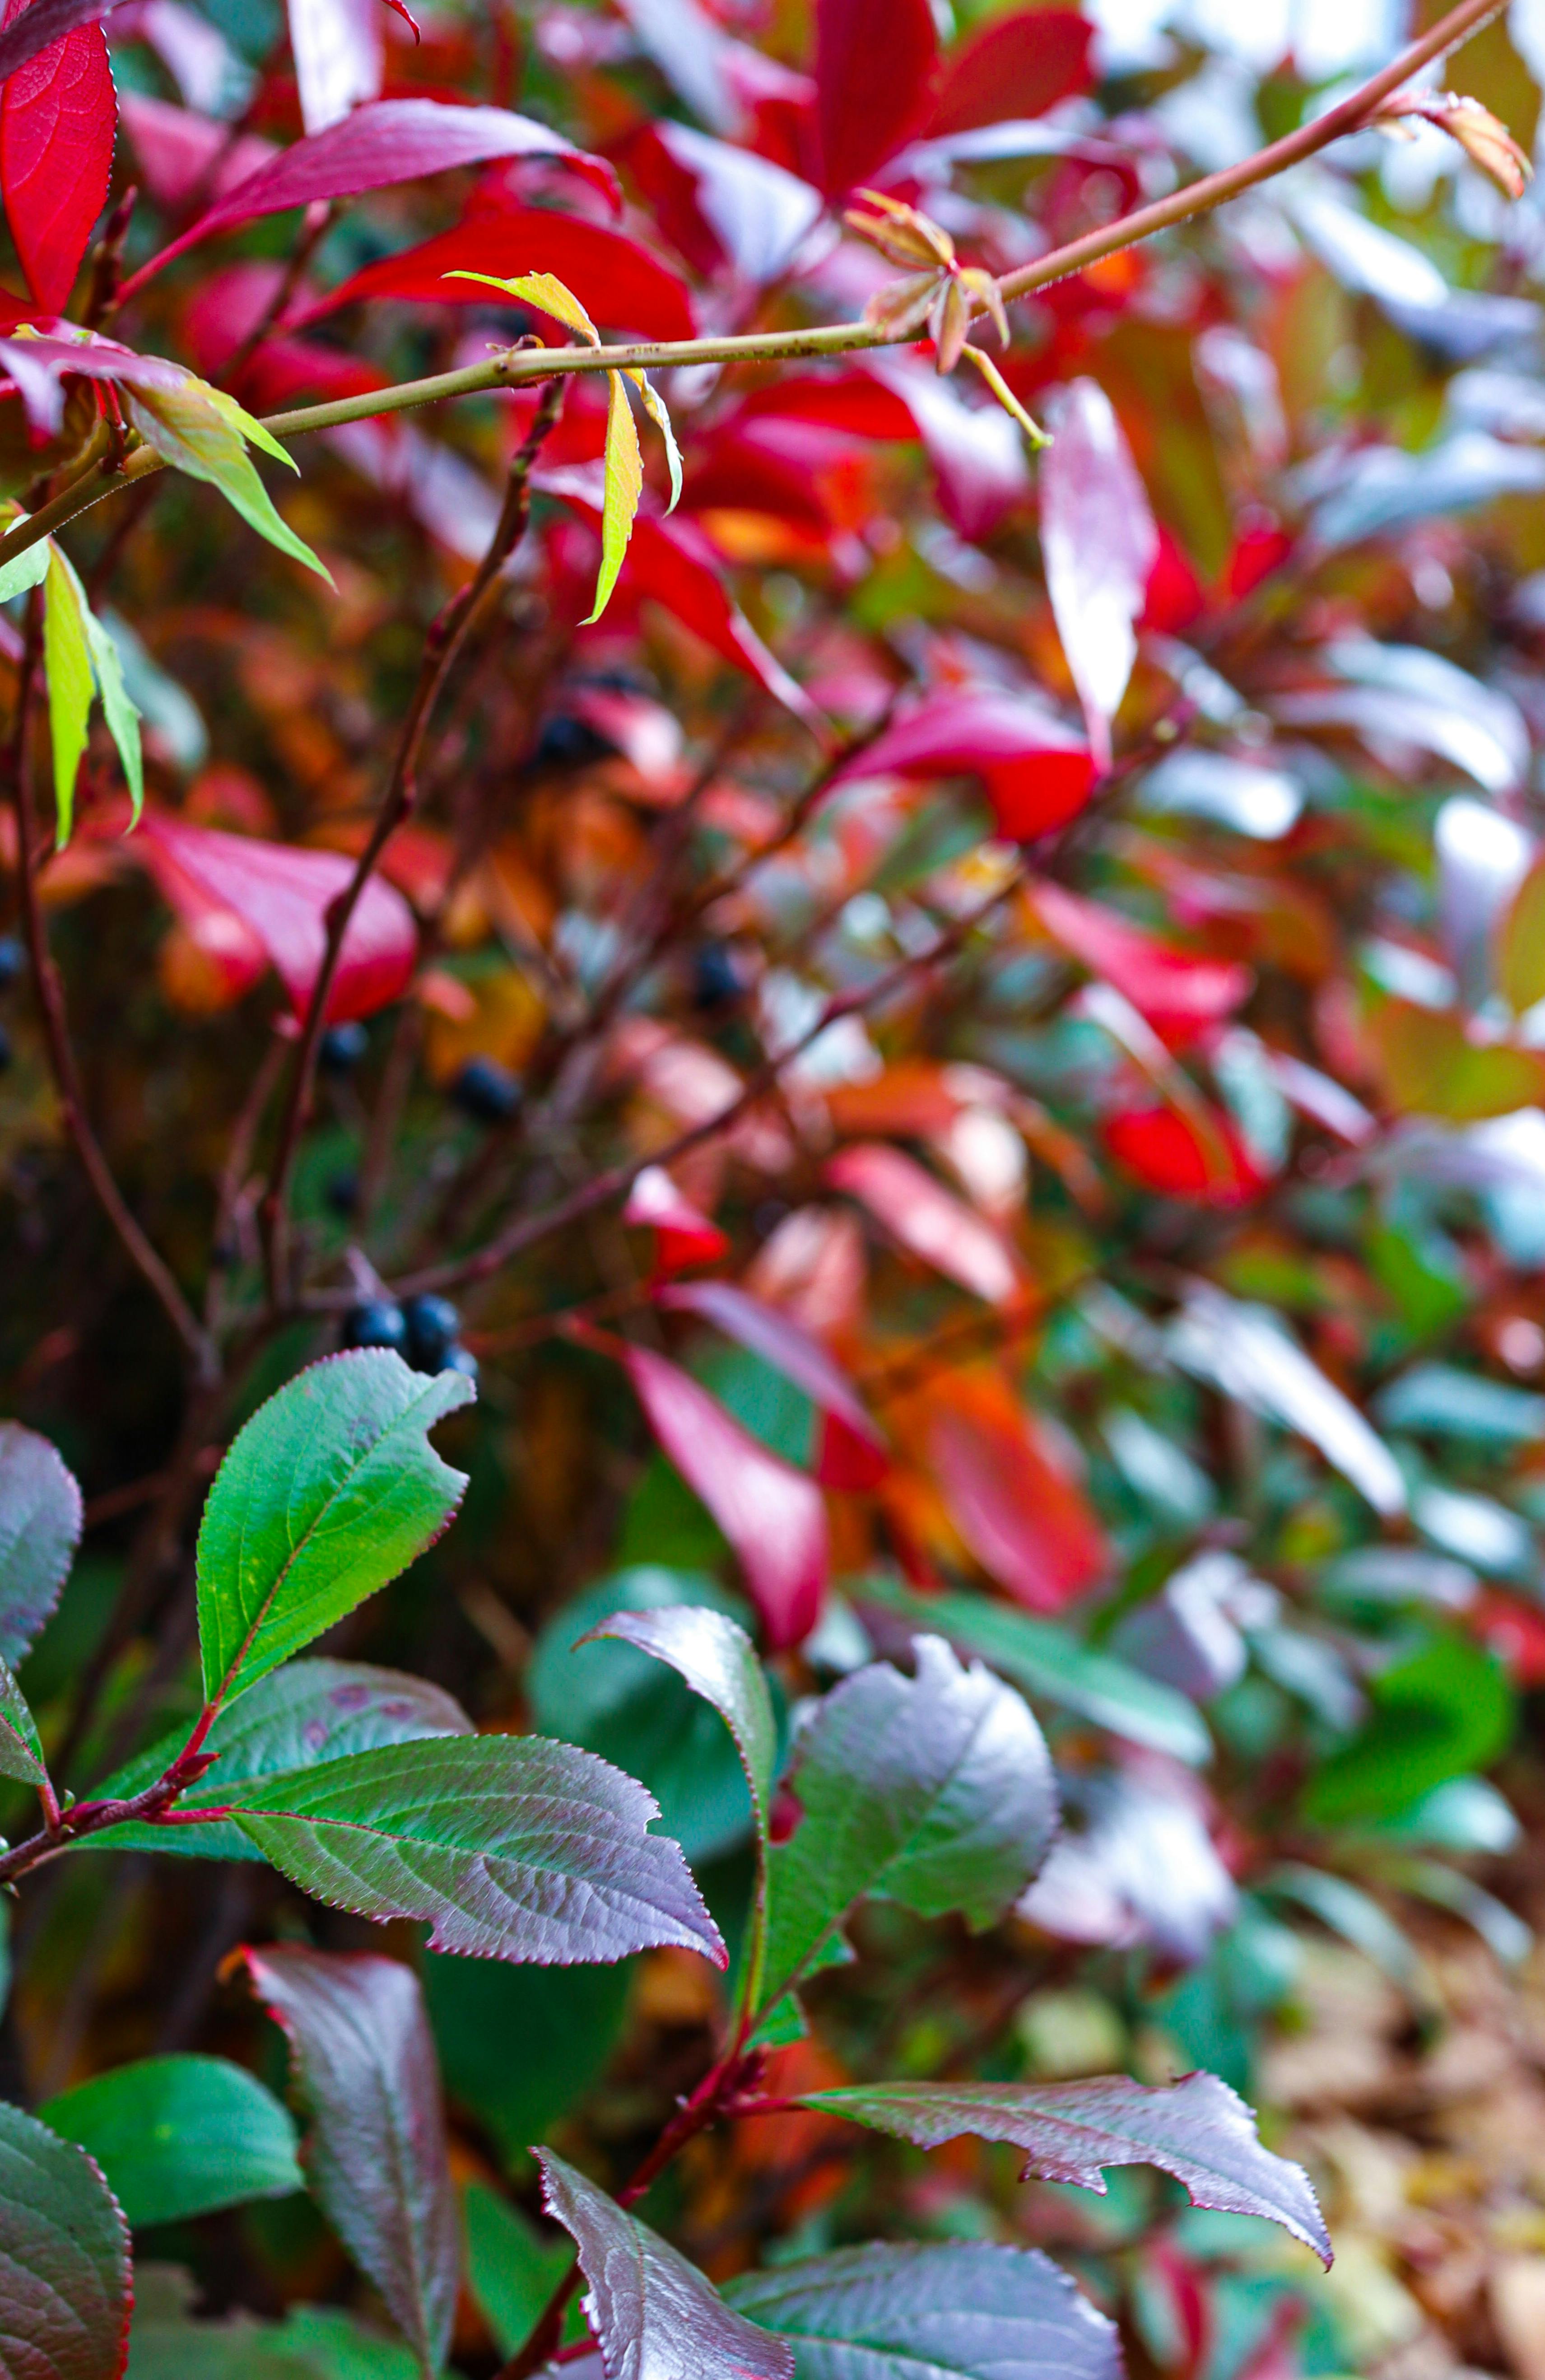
[655, 407]
[119, 711]
[1006, 395]
[24, 569]
[547, 293]
[624, 486]
[1521, 952]
[202, 432]
[67, 661]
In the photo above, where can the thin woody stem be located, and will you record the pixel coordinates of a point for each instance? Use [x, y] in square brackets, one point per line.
[510, 368]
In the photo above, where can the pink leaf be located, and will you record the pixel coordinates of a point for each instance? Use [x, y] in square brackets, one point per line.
[175, 150]
[683, 1236]
[772, 1515]
[281, 893]
[387, 140]
[852, 1453]
[928, 1219]
[875, 61]
[1015, 66]
[616, 280]
[1180, 996]
[1037, 772]
[57, 119]
[718, 203]
[1099, 544]
[339, 48]
[672, 562]
[1029, 1524]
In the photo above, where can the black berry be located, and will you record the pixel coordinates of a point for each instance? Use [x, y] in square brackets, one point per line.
[12, 960]
[341, 1048]
[569, 743]
[486, 1091]
[715, 979]
[461, 1359]
[433, 1324]
[342, 1193]
[378, 1323]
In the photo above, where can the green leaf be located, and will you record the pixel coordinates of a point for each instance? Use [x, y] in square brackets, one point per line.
[67, 662]
[511, 2269]
[511, 1848]
[618, 1702]
[624, 488]
[335, 2347]
[330, 1489]
[567, 2020]
[547, 293]
[20, 1753]
[1447, 1709]
[308, 1712]
[25, 569]
[1196, 2130]
[962, 2311]
[935, 1790]
[655, 2316]
[65, 2290]
[1047, 1661]
[122, 717]
[1347, 1910]
[181, 2136]
[200, 431]
[719, 1661]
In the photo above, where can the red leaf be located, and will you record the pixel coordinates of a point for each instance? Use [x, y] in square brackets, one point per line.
[1174, 598]
[387, 140]
[615, 279]
[683, 1236]
[1015, 66]
[772, 1515]
[672, 562]
[1514, 1631]
[1028, 1523]
[1180, 996]
[175, 150]
[717, 203]
[1037, 772]
[978, 454]
[1099, 544]
[339, 49]
[852, 1453]
[281, 893]
[47, 21]
[928, 1219]
[875, 61]
[1165, 1152]
[57, 120]
[1259, 550]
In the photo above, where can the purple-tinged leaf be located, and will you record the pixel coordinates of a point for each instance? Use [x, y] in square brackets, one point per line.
[339, 48]
[935, 1790]
[375, 2156]
[656, 2316]
[757, 212]
[852, 1453]
[510, 1847]
[40, 1528]
[1098, 544]
[1139, 1869]
[64, 2286]
[930, 1222]
[719, 1661]
[1197, 2130]
[961, 2311]
[386, 142]
[38, 28]
[1037, 773]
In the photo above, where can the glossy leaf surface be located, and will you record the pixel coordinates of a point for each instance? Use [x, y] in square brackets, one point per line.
[1196, 2130]
[509, 1848]
[58, 114]
[40, 1528]
[65, 2288]
[330, 1490]
[657, 2317]
[364, 2066]
[180, 2136]
[935, 1790]
[1099, 543]
[718, 1662]
[968, 2310]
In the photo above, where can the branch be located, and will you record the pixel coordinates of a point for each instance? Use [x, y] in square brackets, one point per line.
[57, 1033]
[442, 644]
[151, 1808]
[512, 368]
